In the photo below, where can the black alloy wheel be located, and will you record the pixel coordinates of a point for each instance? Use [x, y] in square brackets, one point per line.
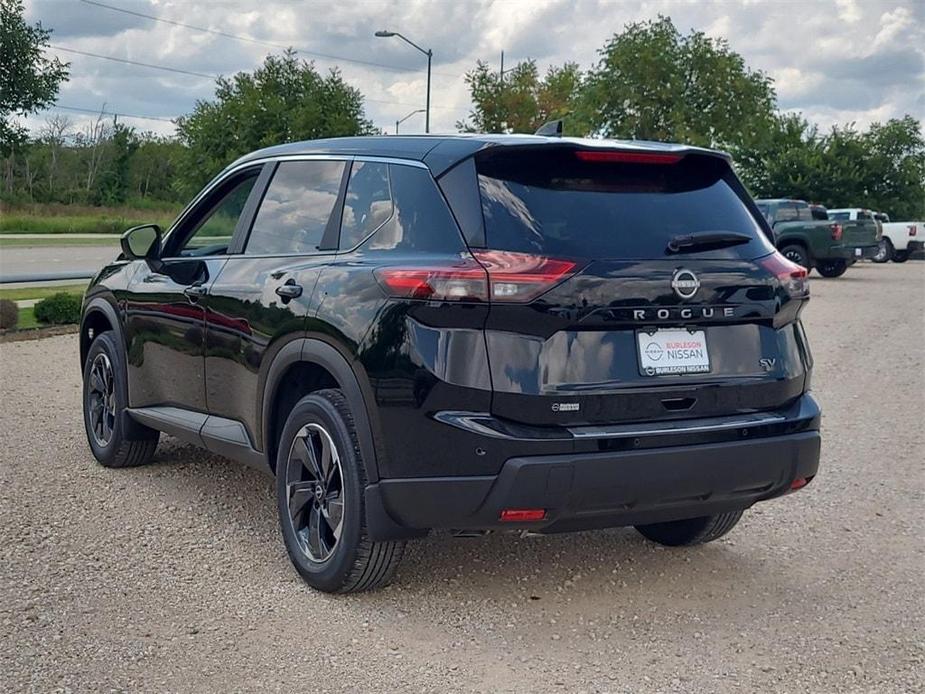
[101, 397]
[315, 492]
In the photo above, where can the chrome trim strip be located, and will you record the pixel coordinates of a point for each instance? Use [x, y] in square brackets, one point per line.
[226, 173]
[695, 427]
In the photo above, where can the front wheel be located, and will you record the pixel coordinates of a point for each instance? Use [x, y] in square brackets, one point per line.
[884, 250]
[691, 531]
[900, 256]
[320, 482]
[832, 268]
[105, 397]
[796, 254]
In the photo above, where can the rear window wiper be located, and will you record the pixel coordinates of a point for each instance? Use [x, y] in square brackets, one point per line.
[687, 243]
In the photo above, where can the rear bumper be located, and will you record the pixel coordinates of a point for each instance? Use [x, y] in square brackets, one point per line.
[603, 489]
[915, 246]
[852, 253]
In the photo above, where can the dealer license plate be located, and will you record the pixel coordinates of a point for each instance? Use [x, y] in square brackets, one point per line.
[673, 352]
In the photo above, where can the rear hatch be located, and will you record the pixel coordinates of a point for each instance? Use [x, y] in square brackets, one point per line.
[656, 293]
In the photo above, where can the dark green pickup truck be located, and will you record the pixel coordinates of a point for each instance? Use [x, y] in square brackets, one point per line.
[805, 235]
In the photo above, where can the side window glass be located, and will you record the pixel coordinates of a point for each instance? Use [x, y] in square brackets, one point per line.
[804, 214]
[786, 213]
[368, 203]
[296, 208]
[422, 221]
[212, 235]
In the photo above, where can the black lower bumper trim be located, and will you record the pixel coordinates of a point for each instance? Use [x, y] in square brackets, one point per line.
[591, 490]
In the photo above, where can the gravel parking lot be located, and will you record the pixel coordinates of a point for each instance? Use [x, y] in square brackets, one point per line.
[173, 577]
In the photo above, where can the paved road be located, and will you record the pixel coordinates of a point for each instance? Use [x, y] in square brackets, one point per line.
[46, 260]
[173, 577]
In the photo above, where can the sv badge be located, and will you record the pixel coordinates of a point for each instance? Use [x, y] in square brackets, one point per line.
[767, 364]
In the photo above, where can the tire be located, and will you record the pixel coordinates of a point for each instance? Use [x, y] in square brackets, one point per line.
[832, 268]
[332, 556]
[884, 250]
[900, 256]
[691, 531]
[105, 395]
[796, 253]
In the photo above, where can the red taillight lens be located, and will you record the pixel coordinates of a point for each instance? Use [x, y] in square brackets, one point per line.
[519, 277]
[836, 232]
[521, 515]
[629, 157]
[465, 281]
[497, 275]
[912, 230]
[792, 277]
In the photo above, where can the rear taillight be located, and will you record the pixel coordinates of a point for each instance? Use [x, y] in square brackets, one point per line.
[462, 281]
[912, 230]
[500, 276]
[629, 157]
[519, 277]
[792, 277]
[836, 232]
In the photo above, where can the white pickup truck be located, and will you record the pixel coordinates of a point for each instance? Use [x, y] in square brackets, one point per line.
[899, 239]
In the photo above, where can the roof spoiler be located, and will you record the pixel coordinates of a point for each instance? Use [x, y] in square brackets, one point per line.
[551, 129]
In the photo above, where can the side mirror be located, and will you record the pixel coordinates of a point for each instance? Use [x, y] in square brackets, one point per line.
[142, 242]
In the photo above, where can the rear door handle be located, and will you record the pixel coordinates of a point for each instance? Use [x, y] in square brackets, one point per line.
[290, 290]
[195, 292]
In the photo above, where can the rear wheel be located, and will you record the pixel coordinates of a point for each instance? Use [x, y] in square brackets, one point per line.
[691, 531]
[105, 396]
[320, 482]
[797, 254]
[884, 250]
[900, 256]
[832, 268]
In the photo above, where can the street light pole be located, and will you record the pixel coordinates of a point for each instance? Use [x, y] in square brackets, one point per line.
[429, 53]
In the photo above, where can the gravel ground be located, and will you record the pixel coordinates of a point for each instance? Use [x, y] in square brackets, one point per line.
[173, 577]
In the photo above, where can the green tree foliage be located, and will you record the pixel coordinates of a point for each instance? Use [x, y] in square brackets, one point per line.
[284, 100]
[105, 163]
[653, 83]
[28, 80]
[882, 168]
[520, 102]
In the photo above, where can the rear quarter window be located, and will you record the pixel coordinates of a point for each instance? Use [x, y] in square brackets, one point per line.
[550, 202]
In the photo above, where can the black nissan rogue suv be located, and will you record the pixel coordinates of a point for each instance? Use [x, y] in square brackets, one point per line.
[463, 332]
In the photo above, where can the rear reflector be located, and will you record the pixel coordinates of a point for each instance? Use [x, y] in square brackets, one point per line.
[798, 483]
[792, 277]
[521, 515]
[629, 157]
[500, 276]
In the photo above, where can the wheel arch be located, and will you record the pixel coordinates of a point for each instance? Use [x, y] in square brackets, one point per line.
[315, 364]
[99, 315]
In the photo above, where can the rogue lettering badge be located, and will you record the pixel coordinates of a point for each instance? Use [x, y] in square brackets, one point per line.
[685, 283]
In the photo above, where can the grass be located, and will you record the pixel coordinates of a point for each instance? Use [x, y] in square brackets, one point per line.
[81, 219]
[27, 319]
[20, 293]
[58, 240]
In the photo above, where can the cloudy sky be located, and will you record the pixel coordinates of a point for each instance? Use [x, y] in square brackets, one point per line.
[837, 61]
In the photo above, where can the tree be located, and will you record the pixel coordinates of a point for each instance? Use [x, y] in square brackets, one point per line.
[653, 83]
[283, 100]
[28, 80]
[521, 102]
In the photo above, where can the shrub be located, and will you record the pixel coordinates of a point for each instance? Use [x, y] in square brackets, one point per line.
[9, 314]
[59, 308]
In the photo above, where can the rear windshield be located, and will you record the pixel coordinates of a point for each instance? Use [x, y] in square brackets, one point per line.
[840, 216]
[553, 203]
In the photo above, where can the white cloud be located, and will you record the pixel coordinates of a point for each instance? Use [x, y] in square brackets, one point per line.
[835, 60]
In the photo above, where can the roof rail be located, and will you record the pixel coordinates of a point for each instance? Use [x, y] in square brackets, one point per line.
[551, 129]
